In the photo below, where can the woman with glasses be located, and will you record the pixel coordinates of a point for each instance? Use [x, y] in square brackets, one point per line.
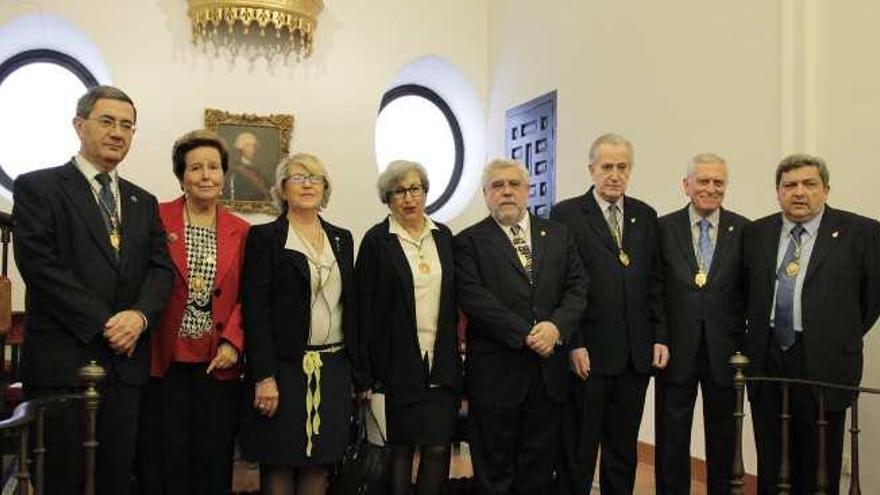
[191, 409]
[408, 316]
[299, 306]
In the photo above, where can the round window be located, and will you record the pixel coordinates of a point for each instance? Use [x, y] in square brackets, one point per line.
[38, 94]
[416, 124]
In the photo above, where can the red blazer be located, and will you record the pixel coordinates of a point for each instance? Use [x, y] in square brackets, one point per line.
[231, 235]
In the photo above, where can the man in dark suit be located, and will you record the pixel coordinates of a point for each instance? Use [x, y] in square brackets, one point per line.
[521, 285]
[813, 288]
[623, 332]
[92, 253]
[705, 309]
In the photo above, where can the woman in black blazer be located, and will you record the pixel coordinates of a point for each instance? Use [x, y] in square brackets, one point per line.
[408, 316]
[299, 308]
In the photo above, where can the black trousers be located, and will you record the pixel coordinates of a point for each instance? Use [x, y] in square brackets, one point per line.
[604, 411]
[513, 448]
[189, 423]
[803, 441]
[116, 432]
[674, 406]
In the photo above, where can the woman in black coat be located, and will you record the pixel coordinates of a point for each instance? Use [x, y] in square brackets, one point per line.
[300, 309]
[407, 324]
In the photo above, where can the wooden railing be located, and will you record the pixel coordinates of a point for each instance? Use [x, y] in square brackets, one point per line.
[783, 485]
[29, 417]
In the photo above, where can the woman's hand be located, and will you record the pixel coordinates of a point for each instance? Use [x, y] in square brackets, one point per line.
[226, 357]
[266, 397]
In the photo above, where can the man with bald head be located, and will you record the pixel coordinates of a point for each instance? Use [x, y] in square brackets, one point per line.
[704, 301]
[622, 336]
[521, 285]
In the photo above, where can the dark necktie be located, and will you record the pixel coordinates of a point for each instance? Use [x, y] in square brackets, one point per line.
[783, 319]
[107, 200]
[613, 220]
[522, 249]
[705, 245]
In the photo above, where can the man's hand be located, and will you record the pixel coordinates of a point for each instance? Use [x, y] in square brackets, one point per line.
[542, 338]
[579, 360]
[122, 331]
[661, 356]
[226, 357]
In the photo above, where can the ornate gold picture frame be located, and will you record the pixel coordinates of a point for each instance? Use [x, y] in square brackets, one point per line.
[257, 143]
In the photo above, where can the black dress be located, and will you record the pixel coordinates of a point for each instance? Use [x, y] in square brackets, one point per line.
[421, 404]
[276, 295]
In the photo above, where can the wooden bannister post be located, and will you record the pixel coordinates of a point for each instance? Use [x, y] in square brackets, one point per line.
[91, 374]
[784, 483]
[739, 363]
[854, 483]
[822, 424]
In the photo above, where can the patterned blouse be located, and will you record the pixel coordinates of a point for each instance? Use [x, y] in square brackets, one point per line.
[201, 264]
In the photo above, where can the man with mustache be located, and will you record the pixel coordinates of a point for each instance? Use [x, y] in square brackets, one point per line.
[92, 253]
[521, 285]
[622, 335]
[813, 278]
[704, 301]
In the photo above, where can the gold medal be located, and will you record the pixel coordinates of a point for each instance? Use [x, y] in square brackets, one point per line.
[700, 278]
[198, 283]
[792, 268]
[424, 268]
[115, 239]
[623, 257]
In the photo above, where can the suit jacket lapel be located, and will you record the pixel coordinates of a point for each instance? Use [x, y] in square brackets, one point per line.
[174, 229]
[282, 228]
[79, 191]
[824, 242]
[401, 265]
[539, 240]
[596, 220]
[722, 239]
[227, 233]
[499, 238]
[771, 249]
[130, 203]
[682, 231]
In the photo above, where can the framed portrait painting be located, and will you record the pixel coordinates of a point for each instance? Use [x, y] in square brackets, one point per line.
[256, 145]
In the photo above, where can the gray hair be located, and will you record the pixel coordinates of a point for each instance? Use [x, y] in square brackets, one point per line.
[86, 102]
[701, 158]
[494, 166]
[312, 165]
[394, 173]
[243, 138]
[798, 160]
[614, 140]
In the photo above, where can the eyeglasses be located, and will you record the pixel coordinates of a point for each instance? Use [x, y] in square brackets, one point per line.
[498, 185]
[302, 179]
[109, 123]
[415, 192]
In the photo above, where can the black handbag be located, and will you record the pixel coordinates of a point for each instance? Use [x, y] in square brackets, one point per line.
[363, 469]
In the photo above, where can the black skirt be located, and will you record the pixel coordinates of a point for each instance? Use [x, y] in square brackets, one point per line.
[430, 421]
[282, 439]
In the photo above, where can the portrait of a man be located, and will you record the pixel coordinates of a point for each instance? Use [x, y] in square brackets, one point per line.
[256, 144]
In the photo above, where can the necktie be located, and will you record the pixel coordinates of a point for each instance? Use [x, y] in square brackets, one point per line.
[108, 209]
[614, 224]
[783, 320]
[523, 252]
[705, 245]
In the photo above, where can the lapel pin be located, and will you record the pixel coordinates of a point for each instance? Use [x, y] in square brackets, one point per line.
[835, 234]
[632, 220]
[172, 237]
[543, 233]
[133, 198]
[730, 229]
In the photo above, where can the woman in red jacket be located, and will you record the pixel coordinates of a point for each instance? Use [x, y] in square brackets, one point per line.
[192, 402]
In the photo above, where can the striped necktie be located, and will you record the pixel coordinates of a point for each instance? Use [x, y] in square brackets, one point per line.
[523, 252]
